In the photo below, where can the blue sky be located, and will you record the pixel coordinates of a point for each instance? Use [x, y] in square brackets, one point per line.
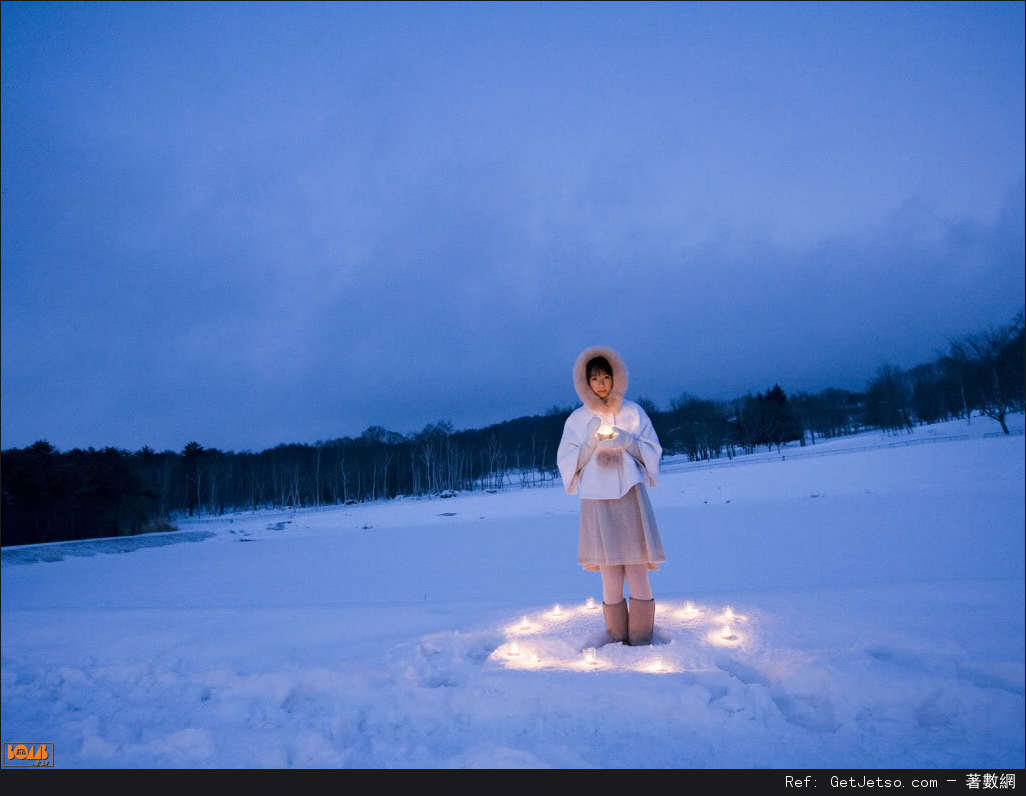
[246, 224]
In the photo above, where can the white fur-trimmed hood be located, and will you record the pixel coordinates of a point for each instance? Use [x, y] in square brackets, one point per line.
[612, 402]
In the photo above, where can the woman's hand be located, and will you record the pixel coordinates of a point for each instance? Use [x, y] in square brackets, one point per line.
[620, 439]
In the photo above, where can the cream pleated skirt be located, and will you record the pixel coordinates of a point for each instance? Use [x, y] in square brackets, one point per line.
[621, 531]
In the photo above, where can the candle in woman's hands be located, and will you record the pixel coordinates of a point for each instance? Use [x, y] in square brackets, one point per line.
[606, 431]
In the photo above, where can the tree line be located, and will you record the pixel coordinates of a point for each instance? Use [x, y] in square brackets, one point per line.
[49, 495]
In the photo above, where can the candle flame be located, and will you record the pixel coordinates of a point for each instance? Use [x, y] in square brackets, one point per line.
[556, 611]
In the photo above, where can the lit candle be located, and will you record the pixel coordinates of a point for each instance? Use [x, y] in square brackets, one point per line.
[726, 632]
[690, 609]
[606, 431]
[589, 656]
[728, 612]
[590, 603]
[656, 665]
[556, 611]
[523, 623]
[514, 648]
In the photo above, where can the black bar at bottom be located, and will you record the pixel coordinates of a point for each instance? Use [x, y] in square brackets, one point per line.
[819, 780]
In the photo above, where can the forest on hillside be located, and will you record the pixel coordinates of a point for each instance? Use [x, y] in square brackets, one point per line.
[50, 495]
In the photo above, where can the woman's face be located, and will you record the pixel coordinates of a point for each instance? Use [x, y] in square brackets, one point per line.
[601, 383]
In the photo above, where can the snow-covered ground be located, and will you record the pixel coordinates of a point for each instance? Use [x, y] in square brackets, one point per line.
[876, 586]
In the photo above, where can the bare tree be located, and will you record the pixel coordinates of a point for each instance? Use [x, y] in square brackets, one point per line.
[994, 360]
[888, 400]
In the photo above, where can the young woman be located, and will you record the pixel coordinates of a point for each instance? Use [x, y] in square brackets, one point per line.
[609, 451]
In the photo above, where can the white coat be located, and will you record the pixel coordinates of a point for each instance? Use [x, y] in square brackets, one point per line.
[607, 474]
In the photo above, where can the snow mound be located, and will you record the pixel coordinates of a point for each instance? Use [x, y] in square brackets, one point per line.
[687, 638]
[37, 553]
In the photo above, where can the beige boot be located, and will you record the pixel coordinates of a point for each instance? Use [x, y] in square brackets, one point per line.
[616, 620]
[641, 622]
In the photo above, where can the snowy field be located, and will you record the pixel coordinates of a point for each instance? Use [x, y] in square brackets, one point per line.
[854, 604]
